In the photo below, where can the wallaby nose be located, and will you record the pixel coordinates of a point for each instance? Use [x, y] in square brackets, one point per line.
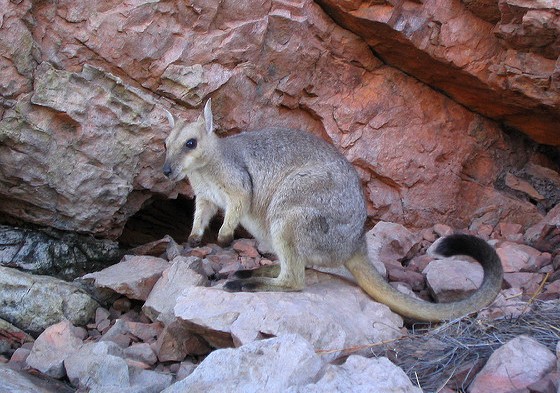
[167, 170]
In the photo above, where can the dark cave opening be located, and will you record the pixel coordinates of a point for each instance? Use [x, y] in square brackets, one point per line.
[173, 217]
[158, 218]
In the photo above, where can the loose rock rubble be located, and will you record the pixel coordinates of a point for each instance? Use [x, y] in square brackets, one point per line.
[161, 321]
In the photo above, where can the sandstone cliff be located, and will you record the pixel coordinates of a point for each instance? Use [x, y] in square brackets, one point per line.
[429, 99]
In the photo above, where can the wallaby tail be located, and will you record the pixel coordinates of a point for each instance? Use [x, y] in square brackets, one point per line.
[375, 285]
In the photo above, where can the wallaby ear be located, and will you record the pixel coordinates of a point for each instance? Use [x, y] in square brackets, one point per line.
[170, 119]
[208, 120]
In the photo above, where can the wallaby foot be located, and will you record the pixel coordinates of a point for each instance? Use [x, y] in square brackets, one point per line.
[194, 240]
[263, 271]
[225, 240]
[261, 284]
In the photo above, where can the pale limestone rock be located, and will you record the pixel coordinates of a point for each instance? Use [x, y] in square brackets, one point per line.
[134, 276]
[97, 364]
[14, 381]
[330, 313]
[182, 273]
[271, 365]
[54, 345]
[515, 365]
[141, 352]
[101, 367]
[361, 375]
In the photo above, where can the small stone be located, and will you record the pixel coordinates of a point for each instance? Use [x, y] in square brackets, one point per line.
[509, 231]
[103, 326]
[389, 242]
[419, 262]
[523, 186]
[527, 282]
[122, 304]
[118, 334]
[155, 248]
[485, 231]
[176, 342]
[443, 230]
[414, 279]
[19, 357]
[183, 272]
[186, 368]
[508, 304]
[173, 250]
[429, 235]
[519, 257]
[200, 252]
[101, 314]
[246, 248]
[141, 352]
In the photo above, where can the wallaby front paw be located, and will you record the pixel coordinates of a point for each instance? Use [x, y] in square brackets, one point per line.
[194, 240]
[224, 241]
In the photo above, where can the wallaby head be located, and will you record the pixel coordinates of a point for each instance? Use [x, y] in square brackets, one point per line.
[189, 145]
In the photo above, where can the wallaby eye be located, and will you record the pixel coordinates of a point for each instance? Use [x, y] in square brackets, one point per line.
[190, 144]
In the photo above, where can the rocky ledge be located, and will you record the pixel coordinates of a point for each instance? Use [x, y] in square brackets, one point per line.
[159, 321]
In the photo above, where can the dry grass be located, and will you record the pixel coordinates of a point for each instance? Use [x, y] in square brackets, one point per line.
[451, 354]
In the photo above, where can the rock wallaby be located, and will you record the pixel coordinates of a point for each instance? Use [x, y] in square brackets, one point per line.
[301, 199]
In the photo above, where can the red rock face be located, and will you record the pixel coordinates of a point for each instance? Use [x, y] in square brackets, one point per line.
[513, 79]
[85, 88]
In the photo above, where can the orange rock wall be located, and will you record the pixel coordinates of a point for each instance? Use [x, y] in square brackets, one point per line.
[413, 93]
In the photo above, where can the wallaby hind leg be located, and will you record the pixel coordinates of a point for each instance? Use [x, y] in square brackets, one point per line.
[291, 275]
[263, 271]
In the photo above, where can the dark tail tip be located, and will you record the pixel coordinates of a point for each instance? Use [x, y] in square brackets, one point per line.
[475, 247]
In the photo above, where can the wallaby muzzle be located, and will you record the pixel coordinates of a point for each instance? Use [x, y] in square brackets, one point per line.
[167, 171]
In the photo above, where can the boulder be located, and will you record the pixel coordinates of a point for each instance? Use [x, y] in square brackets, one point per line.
[514, 366]
[12, 337]
[361, 375]
[54, 345]
[332, 314]
[520, 257]
[134, 276]
[271, 365]
[289, 363]
[452, 279]
[14, 381]
[33, 302]
[55, 253]
[182, 273]
[100, 366]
